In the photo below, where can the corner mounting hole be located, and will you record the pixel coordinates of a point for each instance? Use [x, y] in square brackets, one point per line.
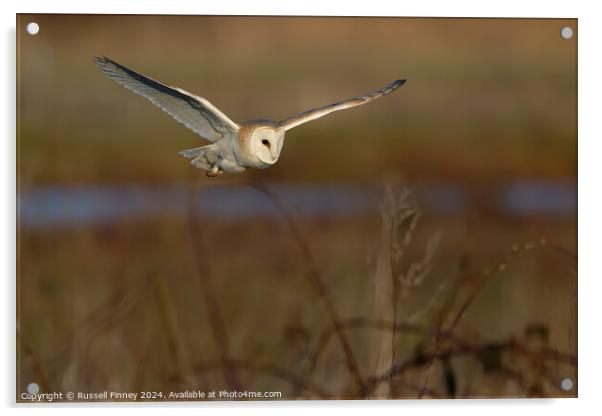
[33, 388]
[566, 32]
[32, 28]
[566, 384]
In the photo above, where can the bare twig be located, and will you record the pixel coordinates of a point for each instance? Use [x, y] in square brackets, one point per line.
[317, 283]
[477, 351]
[487, 275]
[216, 321]
[447, 305]
[170, 325]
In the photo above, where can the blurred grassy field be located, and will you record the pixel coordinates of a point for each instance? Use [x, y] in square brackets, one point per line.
[122, 305]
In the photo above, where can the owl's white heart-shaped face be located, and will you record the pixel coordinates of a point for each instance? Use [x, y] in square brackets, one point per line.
[266, 144]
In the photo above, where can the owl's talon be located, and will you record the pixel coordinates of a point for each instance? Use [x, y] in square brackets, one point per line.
[214, 171]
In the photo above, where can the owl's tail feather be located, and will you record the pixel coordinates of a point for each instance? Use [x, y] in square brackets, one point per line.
[190, 153]
[202, 157]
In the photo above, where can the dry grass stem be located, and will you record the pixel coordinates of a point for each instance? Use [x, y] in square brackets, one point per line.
[216, 322]
[317, 283]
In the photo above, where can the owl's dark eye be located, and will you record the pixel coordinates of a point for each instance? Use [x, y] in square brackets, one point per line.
[266, 143]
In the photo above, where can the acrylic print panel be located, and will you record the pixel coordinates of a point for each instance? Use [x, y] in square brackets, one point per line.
[421, 244]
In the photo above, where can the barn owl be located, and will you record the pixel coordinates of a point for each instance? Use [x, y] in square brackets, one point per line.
[235, 147]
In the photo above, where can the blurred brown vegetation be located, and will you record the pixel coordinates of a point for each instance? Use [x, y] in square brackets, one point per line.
[183, 302]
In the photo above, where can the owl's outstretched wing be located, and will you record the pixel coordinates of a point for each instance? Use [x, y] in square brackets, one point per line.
[196, 113]
[315, 113]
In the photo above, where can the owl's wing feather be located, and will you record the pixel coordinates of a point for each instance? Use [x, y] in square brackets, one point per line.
[196, 113]
[316, 113]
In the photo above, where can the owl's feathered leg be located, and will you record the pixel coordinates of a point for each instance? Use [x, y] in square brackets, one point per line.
[205, 158]
[210, 159]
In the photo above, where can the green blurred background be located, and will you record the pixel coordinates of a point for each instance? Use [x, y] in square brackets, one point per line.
[489, 115]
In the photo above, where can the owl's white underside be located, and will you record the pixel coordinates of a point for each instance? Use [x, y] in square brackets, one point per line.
[235, 152]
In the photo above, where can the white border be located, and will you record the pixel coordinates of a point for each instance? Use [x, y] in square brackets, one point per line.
[590, 209]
